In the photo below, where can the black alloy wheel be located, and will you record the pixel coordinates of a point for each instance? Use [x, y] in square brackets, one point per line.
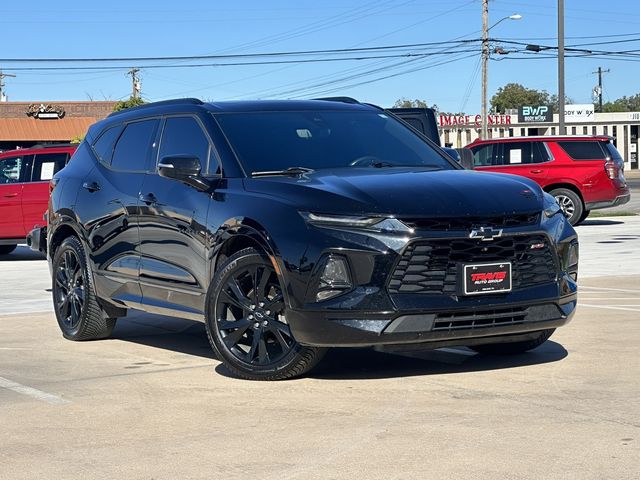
[69, 289]
[247, 325]
[79, 315]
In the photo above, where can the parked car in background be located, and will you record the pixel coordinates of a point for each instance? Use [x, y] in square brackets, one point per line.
[583, 173]
[24, 189]
[293, 226]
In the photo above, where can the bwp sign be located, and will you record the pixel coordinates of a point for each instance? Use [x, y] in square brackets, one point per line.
[531, 114]
[578, 112]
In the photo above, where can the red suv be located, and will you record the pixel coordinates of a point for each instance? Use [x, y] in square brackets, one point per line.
[583, 173]
[24, 189]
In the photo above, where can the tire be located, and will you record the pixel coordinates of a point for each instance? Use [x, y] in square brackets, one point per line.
[246, 325]
[584, 216]
[570, 203]
[79, 315]
[514, 347]
[7, 249]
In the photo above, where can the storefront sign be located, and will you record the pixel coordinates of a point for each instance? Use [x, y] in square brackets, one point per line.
[579, 112]
[535, 114]
[43, 111]
[476, 120]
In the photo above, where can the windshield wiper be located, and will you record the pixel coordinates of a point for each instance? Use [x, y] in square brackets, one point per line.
[291, 171]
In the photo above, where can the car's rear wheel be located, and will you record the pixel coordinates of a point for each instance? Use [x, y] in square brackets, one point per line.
[584, 216]
[79, 315]
[7, 249]
[514, 347]
[247, 321]
[570, 203]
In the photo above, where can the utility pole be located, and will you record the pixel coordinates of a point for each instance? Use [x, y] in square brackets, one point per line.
[485, 60]
[599, 87]
[136, 84]
[3, 97]
[561, 97]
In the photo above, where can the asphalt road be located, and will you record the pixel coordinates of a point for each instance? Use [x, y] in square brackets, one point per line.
[153, 403]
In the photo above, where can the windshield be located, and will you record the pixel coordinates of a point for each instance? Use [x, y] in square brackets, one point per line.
[327, 139]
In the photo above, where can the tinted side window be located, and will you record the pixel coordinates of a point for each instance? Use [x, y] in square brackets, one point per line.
[540, 153]
[104, 145]
[184, 136]
[11, 170]
[485, 156]
[516, 153]
[132, 150]
[583, 150]
[415, 123]
[46, 165]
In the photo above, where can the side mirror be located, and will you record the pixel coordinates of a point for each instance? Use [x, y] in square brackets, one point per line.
[184, 168]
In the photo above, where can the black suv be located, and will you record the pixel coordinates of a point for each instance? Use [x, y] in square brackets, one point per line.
[292, 226]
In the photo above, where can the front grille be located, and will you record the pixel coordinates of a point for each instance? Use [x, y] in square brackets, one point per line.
[431, 266]
[480, 319]
[468, 223]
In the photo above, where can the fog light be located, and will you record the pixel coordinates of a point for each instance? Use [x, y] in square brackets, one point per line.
[335, 278]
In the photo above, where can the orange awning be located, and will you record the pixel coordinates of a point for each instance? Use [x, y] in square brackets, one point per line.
[36, 130]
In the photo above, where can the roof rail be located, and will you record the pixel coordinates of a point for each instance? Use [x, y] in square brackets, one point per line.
[51, 145]
[338, 99]
[176, 101]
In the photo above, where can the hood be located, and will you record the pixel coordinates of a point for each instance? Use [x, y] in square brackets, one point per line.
[404, 192]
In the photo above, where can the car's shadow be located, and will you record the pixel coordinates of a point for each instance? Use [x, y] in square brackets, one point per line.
[21, 253]
[598, 222]
[190, 338]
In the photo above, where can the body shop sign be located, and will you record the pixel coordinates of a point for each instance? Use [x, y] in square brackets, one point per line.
[535, 114]
[579, 113]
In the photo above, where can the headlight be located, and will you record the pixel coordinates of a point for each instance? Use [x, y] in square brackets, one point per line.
[335, 278]
[378, 224]
[550, 206]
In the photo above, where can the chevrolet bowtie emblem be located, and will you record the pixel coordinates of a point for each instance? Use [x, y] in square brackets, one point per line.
[486, 234]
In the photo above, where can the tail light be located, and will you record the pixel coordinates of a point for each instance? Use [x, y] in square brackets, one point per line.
[612, 169]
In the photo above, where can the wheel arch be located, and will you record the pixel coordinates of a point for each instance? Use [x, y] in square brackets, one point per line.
[567, 185]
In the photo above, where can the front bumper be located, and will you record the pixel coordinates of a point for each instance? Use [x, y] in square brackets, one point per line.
[491, 320]
[37, 239]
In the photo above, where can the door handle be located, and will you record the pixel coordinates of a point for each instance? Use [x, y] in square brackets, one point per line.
[10, 195]
[91, 186]
[536, 171]
[149, 199]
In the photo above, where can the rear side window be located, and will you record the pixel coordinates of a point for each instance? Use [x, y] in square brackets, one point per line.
[485, 155]
[46, 165]
[516, 153]
[539, 153]
[184, 136]
[104, 145]
[579, 150]
[133, 147]
[612, 151]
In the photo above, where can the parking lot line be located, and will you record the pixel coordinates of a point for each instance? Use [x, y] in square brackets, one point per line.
[609, 289]
[609, 307]
[32, 392]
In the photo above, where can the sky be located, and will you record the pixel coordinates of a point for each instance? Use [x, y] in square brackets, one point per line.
[79, 29]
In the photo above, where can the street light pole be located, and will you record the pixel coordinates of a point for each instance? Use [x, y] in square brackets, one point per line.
[485, 60]
[561, 97]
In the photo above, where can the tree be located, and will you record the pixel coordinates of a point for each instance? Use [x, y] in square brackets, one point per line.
[417, 103]
[514, 95]
[624, 104]
[131, 102]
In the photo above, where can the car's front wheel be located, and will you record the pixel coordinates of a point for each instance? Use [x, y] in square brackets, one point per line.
[79, 315]
[514, 347]
[247, 321]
